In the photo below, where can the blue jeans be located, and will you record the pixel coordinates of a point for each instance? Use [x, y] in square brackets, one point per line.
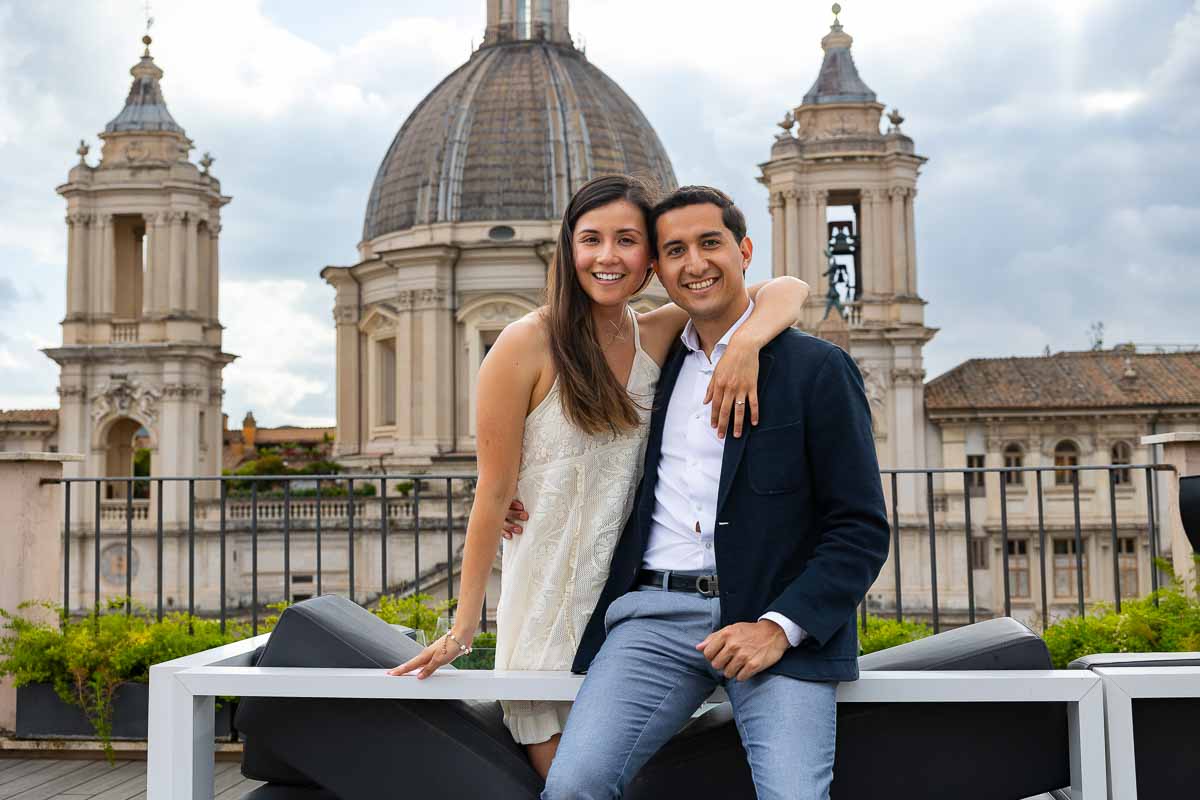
[647, 681]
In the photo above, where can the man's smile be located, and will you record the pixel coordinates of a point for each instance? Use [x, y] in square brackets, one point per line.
[701, 285]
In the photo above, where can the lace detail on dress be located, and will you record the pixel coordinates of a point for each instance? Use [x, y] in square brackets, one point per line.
[578, 490]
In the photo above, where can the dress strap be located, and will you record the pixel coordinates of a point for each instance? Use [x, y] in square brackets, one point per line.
[637, 334]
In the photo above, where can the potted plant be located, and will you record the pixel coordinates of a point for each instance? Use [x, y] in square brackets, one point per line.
[89, 676]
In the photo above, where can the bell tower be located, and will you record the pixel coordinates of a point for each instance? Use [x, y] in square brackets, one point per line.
[842, 192]
[141, 360]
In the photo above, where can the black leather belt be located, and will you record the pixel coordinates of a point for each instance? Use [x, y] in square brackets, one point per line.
[705, 585]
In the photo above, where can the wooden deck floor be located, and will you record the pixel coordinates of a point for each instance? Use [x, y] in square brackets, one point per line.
[82, 779]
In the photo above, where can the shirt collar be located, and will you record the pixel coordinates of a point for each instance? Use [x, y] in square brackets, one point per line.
[691, 339]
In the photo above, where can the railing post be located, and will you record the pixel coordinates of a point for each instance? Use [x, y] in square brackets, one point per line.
[31, 545]
[1181, 451]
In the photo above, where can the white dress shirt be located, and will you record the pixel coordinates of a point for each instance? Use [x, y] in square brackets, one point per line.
[689, 472]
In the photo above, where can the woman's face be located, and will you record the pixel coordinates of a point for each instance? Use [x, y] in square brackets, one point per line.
[612, 252]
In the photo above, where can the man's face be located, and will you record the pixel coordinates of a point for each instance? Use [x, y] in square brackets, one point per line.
[699, 263]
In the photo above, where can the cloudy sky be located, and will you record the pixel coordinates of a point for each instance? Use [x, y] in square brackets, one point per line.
[1063, 185]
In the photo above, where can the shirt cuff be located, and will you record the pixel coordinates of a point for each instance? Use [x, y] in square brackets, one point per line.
[795, 634]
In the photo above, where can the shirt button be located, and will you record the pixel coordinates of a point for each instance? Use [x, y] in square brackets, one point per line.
[708, 545]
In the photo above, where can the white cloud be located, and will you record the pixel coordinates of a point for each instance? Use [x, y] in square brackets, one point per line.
[285, 352]
[1111, 101]
[1061, 186]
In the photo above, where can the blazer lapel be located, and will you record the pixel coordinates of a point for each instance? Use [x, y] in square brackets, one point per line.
[731, 458]
[662, 399]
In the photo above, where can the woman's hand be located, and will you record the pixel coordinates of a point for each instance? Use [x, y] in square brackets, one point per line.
[513, 519]
[438, 654]
[733, 389]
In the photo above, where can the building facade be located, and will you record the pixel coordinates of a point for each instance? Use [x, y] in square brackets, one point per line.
[141, 351]
[458, 235]
[1068, 409]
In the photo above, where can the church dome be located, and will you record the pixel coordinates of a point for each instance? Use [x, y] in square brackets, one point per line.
[510, 135]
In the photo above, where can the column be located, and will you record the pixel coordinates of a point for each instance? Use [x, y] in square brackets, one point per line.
[72, 268]
[162, 263]
[793, 232]
[94, 268]
[815, 239]
[775, 207]
[866, 242]
[31, 543]
[821, 227]
[177, 262]
[214, 277]
[108, 268]
[191, 276]
[910, 231]
[150, 267]
[899, 248]
[77, 262]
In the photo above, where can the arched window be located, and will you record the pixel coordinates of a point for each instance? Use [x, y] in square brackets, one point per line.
[1066, 454]
[1014, 457]
[1122, 453]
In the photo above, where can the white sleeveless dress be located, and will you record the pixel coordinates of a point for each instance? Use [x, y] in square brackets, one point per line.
[578, 490]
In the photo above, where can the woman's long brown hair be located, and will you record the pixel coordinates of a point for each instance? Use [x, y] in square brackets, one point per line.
[591, 396]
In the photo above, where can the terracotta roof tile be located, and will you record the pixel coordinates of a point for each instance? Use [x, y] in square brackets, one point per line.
[49, 415]
[1090, 379]
[292, 434]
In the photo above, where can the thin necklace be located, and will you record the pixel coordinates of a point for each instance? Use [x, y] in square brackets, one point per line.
[618, 334]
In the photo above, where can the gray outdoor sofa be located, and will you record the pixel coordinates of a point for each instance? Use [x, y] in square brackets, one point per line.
[311, 749]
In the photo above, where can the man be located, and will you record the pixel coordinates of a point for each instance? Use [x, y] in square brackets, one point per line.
[744, 559]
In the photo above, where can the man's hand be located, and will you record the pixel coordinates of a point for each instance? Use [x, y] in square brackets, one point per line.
[744, 649]
[512, 521]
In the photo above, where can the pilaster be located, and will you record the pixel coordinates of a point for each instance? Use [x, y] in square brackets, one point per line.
[776, 206]
[793, 263]
[192, 271]
[108, 268]
[150, 270]
[899, 245]
[910, 242]
[177, 261]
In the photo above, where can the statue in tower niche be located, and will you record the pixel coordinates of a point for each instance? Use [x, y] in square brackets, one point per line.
[838, 282]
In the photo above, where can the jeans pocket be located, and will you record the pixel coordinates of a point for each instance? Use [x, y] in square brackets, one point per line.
[619, 609]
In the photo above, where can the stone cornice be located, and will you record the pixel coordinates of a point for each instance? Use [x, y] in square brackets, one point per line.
[151, 351]
[439, 255]
[1044, 415]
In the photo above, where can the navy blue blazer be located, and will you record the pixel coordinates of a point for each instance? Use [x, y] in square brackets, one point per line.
[801, 523]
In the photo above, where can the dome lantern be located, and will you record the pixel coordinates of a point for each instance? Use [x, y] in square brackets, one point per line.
[517, 20]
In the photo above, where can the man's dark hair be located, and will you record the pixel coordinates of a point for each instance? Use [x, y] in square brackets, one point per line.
[731, 215]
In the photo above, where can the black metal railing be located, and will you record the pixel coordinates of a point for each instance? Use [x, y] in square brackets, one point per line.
[352, 498]
[388, 506]
[1064, 475]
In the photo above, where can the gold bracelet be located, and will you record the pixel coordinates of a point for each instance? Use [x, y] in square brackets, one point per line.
[463, 650]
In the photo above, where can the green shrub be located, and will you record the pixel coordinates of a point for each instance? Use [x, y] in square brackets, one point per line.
[87, 659]
[321, 467]
[482, 655]
[1171, 626]
[882, 633]
[415, 611]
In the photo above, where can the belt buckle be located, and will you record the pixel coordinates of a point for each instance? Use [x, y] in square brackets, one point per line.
[706, 585]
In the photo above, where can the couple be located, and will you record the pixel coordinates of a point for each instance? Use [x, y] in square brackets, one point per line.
[733, 560]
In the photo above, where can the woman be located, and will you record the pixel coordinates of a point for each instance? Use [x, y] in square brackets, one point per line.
[564, 401]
